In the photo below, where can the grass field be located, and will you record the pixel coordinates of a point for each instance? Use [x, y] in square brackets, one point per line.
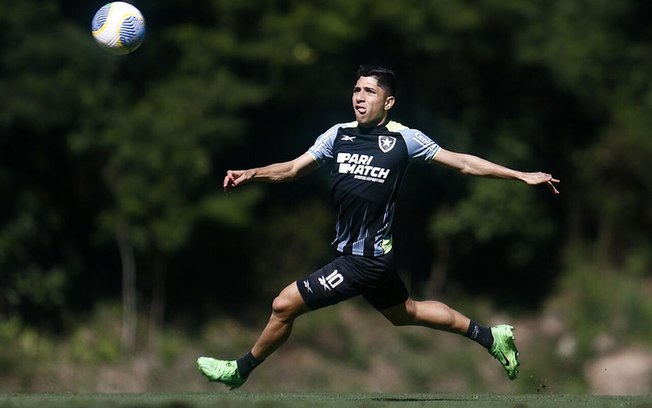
[335, 400]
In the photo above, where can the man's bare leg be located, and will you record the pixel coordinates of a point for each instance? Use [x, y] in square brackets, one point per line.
[286, 307]
[498, 340]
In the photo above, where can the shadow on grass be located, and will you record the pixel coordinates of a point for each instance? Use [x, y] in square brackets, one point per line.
[413, 398]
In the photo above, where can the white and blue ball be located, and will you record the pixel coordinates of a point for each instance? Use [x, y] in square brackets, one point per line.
[119, 27]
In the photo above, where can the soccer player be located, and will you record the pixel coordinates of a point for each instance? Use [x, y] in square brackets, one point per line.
[368, 158]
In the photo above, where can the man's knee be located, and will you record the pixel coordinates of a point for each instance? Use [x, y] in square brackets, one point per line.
[289, 303]
[281, 305]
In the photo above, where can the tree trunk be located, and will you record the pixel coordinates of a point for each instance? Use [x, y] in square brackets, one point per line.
[157, 310]
[129, 312]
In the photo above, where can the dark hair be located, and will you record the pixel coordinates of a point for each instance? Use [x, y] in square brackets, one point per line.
[385, 77]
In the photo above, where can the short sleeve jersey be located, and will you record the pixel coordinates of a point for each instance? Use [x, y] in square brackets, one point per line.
[367, 170]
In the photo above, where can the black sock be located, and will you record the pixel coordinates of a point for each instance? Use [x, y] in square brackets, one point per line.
[246, 364]
[481, 334]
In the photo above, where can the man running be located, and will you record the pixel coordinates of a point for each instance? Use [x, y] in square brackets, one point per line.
[368, 158]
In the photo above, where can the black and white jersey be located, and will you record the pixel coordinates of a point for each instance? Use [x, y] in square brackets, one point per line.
[368, 167]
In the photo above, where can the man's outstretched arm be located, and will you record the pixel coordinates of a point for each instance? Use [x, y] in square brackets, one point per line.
[273, 173]
[477, 166]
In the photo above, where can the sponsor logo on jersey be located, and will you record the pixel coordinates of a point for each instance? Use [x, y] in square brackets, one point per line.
[347, 138]
[359, 165]
[386, 143]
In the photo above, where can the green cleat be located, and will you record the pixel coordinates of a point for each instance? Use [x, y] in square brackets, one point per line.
[504, 349]
[222, 371]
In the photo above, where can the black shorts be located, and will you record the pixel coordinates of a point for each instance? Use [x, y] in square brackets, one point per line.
[375, 278]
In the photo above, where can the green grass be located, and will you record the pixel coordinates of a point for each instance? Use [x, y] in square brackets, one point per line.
[291, 400]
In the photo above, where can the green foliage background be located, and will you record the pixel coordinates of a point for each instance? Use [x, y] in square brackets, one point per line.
[109, 163]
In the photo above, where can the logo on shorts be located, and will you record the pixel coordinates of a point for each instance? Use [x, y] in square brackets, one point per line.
[332, 280]
[306, 284]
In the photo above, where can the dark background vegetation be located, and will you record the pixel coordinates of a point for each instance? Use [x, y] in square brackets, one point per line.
[111, 167]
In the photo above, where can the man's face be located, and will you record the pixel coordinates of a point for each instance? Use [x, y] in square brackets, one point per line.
[370, 102]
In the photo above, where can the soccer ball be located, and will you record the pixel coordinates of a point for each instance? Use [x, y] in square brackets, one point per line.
[119, 27]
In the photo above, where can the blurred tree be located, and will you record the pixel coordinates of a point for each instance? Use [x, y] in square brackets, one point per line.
[601, 52]
[43, 216]
[110, 163]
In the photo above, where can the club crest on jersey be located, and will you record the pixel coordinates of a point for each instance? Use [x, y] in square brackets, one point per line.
[386, 143]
